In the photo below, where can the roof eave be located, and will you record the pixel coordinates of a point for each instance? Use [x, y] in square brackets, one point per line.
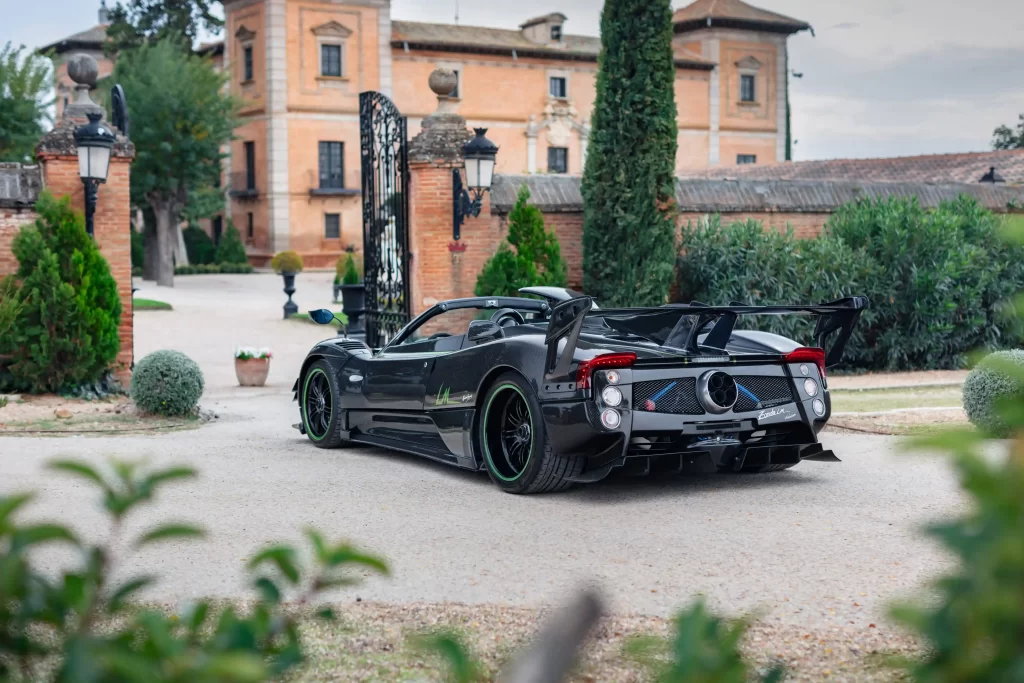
[689, 25]
[563, 55]
[62, 46]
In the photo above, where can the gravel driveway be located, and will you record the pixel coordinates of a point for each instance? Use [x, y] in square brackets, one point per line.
[822, 545]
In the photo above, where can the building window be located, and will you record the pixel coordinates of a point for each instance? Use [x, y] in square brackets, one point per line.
[557, 87]
[250, 230]
[247, 61]
[558, 160]
[332, 166]
[556, 34]
[330, 60]
[747, 89]
[250, 165]
[746, 159]
[332, 226]
[218, 228]
[457, 93]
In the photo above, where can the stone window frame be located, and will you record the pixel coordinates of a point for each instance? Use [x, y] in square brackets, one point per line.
[246, 41]
[560, 73]
[751, 67]
[334, 34]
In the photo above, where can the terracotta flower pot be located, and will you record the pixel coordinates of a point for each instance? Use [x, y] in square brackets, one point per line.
[252, 372]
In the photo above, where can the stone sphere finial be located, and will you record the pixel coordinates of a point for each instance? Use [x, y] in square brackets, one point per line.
[83, 69]
[443, 81]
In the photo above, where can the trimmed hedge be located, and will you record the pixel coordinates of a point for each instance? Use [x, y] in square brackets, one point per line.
[939, 281]
[215, 269]
[199, 246]
[988, 385]
[167, 383]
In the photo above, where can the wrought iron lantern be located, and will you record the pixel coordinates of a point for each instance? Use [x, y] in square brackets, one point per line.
[95, 142]
[479, 154]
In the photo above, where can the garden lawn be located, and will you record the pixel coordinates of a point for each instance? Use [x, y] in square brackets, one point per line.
[906, 410]
[151, 305]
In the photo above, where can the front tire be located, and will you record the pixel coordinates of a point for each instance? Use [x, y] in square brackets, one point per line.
[517, 451]
[319, 406]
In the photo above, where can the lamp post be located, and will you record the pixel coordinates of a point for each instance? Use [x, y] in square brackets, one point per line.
[94, 141]
[479, 154]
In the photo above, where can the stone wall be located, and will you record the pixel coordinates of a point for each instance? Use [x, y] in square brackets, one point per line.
[19, 187]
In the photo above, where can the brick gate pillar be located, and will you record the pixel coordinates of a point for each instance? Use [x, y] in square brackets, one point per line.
[439, 269]
[58, 156]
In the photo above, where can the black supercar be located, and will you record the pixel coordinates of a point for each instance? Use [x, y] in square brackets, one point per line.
[544, 392]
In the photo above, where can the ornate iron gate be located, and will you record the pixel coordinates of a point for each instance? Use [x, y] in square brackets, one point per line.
[384, 141]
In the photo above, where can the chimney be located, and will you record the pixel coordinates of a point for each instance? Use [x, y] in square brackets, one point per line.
[104, 14]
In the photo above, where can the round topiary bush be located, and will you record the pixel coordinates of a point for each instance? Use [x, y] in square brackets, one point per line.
[167, 383]
[286, 262]
[986, 385]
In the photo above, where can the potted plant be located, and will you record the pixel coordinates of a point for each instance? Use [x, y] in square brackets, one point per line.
[353, 294]
[252, 366]
[288, 264]
[339, 273]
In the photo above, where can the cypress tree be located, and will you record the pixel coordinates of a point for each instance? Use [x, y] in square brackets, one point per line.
[628, 184]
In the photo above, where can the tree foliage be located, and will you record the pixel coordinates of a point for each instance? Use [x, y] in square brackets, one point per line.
[135, 22]
[66, 330]
[25, 87]
[628, 183]
[537, 259]
[182, 119]
[231, 249]
[79, 624]
[1005, 137]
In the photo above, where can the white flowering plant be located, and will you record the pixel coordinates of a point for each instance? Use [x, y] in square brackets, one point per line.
[249, 353]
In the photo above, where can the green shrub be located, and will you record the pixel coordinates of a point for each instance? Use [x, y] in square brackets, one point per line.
[236, 268]
[537, 259]
[215, 269]
[80, 623]
[628, 183]
[938, 281]
[9, 305]
[704, 649]
[351, 274]
[286, 262]
[231, 249]
[988, 387]
[66, 330]
[138, 250]
[167, 383]
[198, 245]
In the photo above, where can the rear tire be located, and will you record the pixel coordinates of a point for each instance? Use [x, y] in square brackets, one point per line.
[513, 437]
[319, 406]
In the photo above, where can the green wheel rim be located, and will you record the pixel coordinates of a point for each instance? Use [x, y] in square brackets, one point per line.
[319, 402]
[512, 441]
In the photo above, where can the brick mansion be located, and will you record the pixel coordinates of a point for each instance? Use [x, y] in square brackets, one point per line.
[292, 177]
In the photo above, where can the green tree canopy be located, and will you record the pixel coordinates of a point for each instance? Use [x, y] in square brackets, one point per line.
[1005, 137]
[135, 22]
[25, 86]
[537, 259]
[182, 118]
[628, 183]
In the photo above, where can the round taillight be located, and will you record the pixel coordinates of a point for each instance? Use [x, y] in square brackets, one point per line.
[611, 418]
[810, 387]
[611, 396]
[818, 406]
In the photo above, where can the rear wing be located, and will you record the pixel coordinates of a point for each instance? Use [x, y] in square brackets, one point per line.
[679, 326]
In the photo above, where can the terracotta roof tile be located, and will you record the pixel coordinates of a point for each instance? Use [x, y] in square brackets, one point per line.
[92, 37]
[733, 13]
[561, 193]
[932, 168]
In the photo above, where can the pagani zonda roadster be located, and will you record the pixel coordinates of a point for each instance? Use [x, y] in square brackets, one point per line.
[546, 392]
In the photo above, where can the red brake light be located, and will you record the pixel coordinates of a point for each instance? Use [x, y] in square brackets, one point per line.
[807, 355]
[602, 362]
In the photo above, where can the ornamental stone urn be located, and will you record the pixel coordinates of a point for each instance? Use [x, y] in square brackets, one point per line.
[353, 298]
[290, 307]
[252, 372]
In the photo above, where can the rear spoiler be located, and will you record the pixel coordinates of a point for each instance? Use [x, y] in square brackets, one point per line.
[675, 326]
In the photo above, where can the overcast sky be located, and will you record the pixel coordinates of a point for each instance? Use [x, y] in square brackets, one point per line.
[880, 78]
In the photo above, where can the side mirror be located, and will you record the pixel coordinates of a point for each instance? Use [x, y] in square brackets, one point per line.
[484, 331]
[321, 316]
